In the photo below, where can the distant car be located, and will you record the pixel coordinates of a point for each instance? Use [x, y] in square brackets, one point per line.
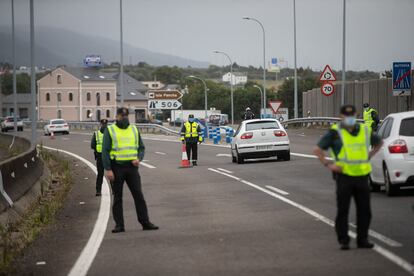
[260, 138]
[56, 126]
[393, 165]
[156, 121]
[8, 124]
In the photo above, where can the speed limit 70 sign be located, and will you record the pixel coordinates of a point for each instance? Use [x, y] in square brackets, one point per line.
[327, 88]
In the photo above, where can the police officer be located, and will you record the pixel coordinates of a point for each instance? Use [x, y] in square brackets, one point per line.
[371, 117]
[122, 151]
[248, 114]
[96, 145]
[350, 144]
[191, 135]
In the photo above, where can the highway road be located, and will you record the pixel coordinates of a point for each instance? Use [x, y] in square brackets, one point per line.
[260, 218]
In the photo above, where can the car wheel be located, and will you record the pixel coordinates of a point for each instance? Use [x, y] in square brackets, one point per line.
[233, 158]
[374, 186]
[285, 155]
[390, 190]
[20, 129]
[239, 159]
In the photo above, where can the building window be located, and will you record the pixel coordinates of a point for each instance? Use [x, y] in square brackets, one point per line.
[108, 96]
[59, 79]
[47, 97]
[108, 113]
[70, 97]
[59, 97]
[88, 114]
[98, 99]
[59, 114]
[88, 97]
[23, 113]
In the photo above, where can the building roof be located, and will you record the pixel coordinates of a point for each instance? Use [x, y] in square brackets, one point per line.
[90, 74]
[133, 90]
[21, 98]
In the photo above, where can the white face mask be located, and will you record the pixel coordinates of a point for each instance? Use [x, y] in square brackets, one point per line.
[366, 108]
[350, 121]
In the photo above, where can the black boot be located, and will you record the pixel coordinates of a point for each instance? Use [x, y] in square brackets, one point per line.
[365, 244]
[195, 163]
[344, 246]
[118, 229]
[149, 226]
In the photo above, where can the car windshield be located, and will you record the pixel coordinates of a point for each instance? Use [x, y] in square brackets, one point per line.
[407, 127]
[262, 125]
[58, 122]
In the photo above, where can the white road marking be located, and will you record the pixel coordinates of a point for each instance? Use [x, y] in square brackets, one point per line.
[64, 138]
[382, 238]
[302, 134]
[277, 190]
[223, 154]
[147, 165]
[41, 263]
[160, 153]
[407, 266]
[85, 259]
[223, 170]
[86, 141]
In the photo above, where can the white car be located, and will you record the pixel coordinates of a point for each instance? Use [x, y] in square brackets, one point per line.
[393, 165]
[8, 124]
[55, 126]
[260, 138]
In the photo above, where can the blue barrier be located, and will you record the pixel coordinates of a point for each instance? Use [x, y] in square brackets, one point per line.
[229, 135]
[218, 134]
[210, 132]
[205, 133]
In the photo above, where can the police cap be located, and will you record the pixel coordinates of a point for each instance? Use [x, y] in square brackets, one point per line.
[104, 122]
[348, 110]
[122, 111]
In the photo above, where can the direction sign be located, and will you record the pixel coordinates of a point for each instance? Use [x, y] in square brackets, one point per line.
[327, 88]
[327, 74]
[165, 94]
[274, 105]
[401, 79]
[163, 104]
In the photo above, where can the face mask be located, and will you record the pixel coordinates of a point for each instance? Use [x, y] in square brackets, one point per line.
[102, 129]
[366, 108]
[124, 122]
[350, 121]
[191, 120]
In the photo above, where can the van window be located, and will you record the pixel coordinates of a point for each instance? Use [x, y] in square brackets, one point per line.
[262, 125]
[407, 127]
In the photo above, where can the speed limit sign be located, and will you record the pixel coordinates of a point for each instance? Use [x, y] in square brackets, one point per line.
[327, 88]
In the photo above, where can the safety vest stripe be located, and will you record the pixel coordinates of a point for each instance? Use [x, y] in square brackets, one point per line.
[135, 130]
[119, 156]
[124, 148]
[113, 135]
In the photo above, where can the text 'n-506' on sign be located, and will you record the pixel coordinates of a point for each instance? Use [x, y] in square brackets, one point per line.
[163, 104]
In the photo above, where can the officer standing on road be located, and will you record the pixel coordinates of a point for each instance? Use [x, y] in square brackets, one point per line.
[248, 114]
[350, 144]
[96, 145]
[191, 135]
[371, 117]
[122, 151]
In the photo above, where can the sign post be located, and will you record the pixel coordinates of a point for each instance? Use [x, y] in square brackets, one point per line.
[401, 79]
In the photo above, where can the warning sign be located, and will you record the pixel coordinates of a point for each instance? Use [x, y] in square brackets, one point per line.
[327, 74]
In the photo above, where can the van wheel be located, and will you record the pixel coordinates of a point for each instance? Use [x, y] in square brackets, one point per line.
[390, 189]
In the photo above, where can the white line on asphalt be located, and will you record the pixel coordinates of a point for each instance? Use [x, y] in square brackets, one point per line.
[147, 165]
[382, 238]
[64, 138]
[381, 250]
[86, 141]
[277, 190]
[160, 153]
[302, 134]
[223, 154]
[85, 259]
[223, 170]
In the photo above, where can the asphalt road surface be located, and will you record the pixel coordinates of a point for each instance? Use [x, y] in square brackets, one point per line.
[261, 218]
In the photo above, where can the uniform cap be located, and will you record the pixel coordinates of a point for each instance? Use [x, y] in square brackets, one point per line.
[104, 121]
[348, 110]
[366, 105]
[191, 116]
[122, 111]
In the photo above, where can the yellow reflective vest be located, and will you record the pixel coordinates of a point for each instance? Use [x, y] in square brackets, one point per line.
[99, 140]
[354, 154]
[368, 117]
[125, 143]
[191, 131]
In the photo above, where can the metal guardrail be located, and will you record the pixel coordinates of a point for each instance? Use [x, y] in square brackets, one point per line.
[317, 120]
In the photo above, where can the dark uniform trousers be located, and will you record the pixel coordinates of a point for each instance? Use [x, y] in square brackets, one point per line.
[191, 147]
[129, 174]
[100, 168]
[346, 188]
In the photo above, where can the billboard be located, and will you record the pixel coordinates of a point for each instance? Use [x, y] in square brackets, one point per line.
[92, 61]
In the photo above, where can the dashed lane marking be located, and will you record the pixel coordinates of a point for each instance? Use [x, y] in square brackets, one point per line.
[277, 190]
[223, 154]
[160, 153]
[149, 166]
[402, 263]
[64, 138]
[86, 141]
[88, 254]
[224, 170]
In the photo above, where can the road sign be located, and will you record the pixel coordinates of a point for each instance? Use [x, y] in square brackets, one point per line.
[327, 88]
[327, 74]
[165, 94]
[401, 78]
[274, 105]
[163, 104]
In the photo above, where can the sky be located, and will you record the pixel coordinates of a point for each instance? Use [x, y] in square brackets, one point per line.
[378, 31]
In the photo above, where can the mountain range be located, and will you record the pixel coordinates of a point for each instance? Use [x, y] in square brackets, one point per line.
[55, 46]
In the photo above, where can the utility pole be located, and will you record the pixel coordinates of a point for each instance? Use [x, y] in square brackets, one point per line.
[32, 75]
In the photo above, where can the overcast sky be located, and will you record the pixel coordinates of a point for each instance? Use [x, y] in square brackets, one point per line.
[378, 31]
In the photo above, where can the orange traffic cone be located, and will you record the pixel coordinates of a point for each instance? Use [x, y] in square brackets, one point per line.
[184, 159]
[52, 135]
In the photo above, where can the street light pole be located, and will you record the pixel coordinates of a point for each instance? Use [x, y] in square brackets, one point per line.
[14, 70]
[231, 85]
[261, 97]
[296, 68]
[121, 65]
[264, 58]
[205, 94]
[343, 53]
[32, 75]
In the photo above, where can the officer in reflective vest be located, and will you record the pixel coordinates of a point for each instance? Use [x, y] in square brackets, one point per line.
[352, 145]
[96, 145]
[191, 135]
[122, 151]
[371, 118]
